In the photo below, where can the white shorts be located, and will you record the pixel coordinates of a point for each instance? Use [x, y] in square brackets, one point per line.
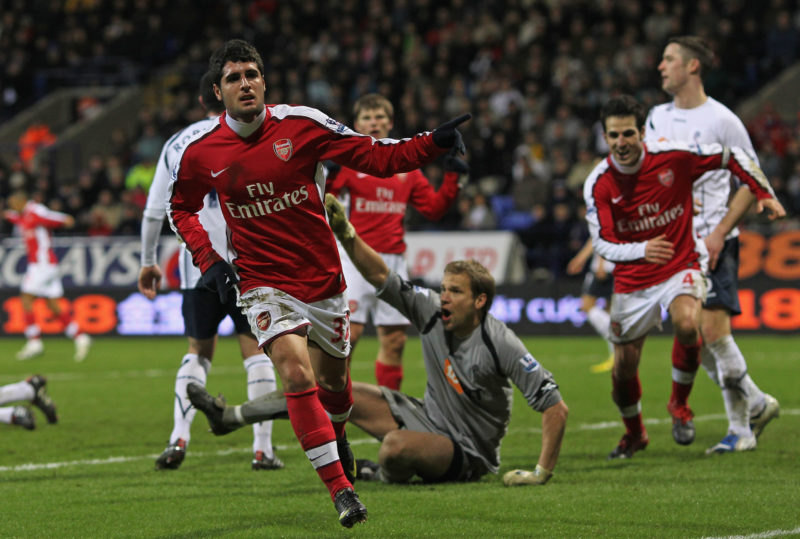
[43, 280]
[636, 313]
[361, 295]
[272, 313]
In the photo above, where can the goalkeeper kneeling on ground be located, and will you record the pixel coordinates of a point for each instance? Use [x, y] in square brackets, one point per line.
[471, 358]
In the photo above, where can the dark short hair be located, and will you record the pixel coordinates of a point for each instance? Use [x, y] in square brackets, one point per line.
[695, 47]
[481, 281]
[371, 102]
[623, 105]
[233, 50]
[207, 95]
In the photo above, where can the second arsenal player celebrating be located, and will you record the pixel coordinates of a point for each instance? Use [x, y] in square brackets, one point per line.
[639, 209]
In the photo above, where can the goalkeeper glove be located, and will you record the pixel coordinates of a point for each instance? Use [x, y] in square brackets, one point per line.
[539, 476]
[221, 278]
[337, 219]
[447, 136]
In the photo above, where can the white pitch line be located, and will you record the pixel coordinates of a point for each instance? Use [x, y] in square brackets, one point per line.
[760, 535]
[31, 466]
[113, 460]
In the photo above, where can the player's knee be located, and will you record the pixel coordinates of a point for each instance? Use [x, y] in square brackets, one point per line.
[296, 378]
[393, 448]
[392, 351]
[686, 330]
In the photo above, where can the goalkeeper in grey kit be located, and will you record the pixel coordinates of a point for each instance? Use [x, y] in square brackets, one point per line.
[454, 433]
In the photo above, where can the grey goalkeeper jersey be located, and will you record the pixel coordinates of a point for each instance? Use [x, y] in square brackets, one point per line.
[468, 395]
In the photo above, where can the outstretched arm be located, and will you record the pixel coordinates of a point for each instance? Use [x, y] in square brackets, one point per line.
[366, 260]
[554, 421]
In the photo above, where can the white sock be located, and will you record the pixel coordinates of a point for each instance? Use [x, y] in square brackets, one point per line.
[19, 391]
[33, 331]
[732, 369]
[709, 364]
[193, 369]
[601, 322]
[6, 414]
[755, 397]
[260, 381]
[71, 331]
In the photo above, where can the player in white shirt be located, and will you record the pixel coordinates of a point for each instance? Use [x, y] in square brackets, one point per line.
[202, 308]
[695, 118]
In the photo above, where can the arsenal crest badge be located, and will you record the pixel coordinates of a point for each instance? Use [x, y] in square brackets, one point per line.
[616, 328]
[263, 320]
[666, 177]
[283, 149]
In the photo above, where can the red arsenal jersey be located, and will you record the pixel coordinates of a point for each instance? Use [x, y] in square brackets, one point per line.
[36, 222]
[378, 205]
[270, 185]
[627, 206]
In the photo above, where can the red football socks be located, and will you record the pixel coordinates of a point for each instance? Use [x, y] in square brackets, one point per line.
[313, 429]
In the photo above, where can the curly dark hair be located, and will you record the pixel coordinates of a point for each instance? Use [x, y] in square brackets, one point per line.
[233, 50]
[623, 105]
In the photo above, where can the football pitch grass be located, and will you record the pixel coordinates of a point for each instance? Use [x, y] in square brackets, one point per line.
[92, 474]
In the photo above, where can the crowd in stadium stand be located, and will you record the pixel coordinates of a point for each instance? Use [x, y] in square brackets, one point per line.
[533, 74]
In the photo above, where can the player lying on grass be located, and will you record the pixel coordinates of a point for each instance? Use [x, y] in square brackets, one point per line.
[454, 433]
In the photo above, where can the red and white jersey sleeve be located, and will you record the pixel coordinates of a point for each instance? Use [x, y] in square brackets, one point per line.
[710, 123]
[35, 223]
[628, 207]
[271, 185]
[377, 206]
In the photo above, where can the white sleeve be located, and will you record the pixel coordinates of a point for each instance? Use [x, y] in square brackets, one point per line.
[151, 232]
[734, 135]
[156, 208]
[613, 252]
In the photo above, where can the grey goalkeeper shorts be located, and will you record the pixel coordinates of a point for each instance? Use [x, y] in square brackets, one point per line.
[410, 414]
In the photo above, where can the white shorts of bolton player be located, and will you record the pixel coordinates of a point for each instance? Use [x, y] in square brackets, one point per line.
[361, 298]
[634, 314]
[272, 313]
[42, 280]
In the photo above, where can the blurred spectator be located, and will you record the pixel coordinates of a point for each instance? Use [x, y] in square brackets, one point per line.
[579, 170]
[106, 213]
[35, 137]
[476, 213]
[148, 148]
[782, 42]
